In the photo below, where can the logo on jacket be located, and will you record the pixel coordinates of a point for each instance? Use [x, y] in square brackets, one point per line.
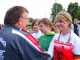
[1, 50]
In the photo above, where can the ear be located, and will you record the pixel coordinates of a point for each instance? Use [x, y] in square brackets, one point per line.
[68, 22]
[19, 21]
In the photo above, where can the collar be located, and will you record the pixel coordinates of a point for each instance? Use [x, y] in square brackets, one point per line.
[11, 26]
[51, 33]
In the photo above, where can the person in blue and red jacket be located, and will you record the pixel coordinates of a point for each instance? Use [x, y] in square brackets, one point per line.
[15, 42]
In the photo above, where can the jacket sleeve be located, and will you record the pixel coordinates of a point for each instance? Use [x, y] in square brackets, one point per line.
[31, 50]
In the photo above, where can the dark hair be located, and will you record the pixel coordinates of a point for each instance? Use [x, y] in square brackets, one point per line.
[34, 21]
[13, 14]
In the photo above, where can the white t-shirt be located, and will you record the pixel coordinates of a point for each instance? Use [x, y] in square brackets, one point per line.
[37, 34]
[74, 39]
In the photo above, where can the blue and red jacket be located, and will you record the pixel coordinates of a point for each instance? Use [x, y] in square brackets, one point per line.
[16, 44]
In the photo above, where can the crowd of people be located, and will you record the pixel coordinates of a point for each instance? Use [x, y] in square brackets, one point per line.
[45, 41]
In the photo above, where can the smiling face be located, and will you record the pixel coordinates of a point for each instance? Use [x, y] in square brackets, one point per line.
[75, 21]
[63, 21]
[35, 27]
[45, 25]
[62, 25]
[44, 28]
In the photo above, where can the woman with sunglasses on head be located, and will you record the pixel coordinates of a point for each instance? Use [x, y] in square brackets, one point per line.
[66, 44]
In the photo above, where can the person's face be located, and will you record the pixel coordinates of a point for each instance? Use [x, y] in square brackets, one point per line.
[43, 28]
[35, 27]
[62, 25]
[24, 19]
[75, 21]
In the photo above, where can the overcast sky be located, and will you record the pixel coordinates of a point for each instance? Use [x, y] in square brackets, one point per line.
[37, 8]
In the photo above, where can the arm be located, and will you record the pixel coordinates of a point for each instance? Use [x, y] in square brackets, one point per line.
[76, 49]
[50, 50]
[28, 48]
[33, 50]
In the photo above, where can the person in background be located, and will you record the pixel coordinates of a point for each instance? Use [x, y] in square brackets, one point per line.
[37, 33]
[45, 27]
[15, 42]
[31, 31]
[75, 27]
[66, 44]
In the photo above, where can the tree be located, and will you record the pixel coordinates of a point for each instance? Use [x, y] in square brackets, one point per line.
[30, 20]
[73, 9]
[78, 14]
[55, 9]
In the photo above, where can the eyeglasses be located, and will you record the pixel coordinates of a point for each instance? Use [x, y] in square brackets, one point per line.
[25, 18]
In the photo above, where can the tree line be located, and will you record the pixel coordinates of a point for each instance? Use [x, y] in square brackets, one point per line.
[73, 9]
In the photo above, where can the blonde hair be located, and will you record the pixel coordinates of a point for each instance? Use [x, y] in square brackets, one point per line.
[64, 16]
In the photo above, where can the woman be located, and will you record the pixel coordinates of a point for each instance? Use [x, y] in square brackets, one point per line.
[37, 33]
[45, 27]
[66, 44]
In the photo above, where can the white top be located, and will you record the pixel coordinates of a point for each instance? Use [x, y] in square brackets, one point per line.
[37, 34]
[74, 39]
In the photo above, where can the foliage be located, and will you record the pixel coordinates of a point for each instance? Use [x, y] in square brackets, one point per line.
[78, 14]
[30, 20]
[79, 23]
[73, 10]
[55, 9]
[29, 24]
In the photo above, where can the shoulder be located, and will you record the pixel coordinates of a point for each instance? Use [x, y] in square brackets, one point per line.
[78, 25]
[42, 36]
[74, 37]
[19, 33]
[39, 32]
[52, 33]
[33, 34]
[56, 36]
[72, 25]
[76, 43]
